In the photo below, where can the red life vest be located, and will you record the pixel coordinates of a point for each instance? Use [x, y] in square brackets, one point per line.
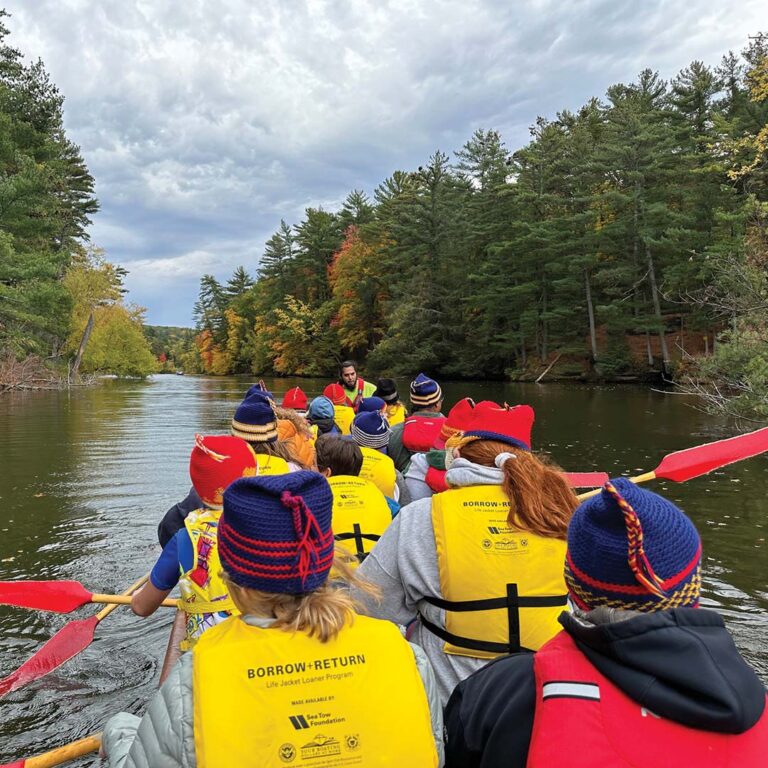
[420, 433]
[435, 479]
[583, 720]
[359, 385]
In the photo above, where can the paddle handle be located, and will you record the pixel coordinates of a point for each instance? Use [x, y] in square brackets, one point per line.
[644, 478]
[126, 600]
[104, 612]
[60, 755]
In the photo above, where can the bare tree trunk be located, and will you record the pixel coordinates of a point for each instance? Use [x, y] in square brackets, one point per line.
[83, 344]
[544, 329]
[648, 348]
[657, 306]
[706, 345]
[591, 313]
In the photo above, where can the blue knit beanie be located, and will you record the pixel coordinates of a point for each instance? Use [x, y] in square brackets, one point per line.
[275, 532]
[321, 408]
[371, 404]
[425, 391]
[370, 430]
[255, 419]
[632, 549]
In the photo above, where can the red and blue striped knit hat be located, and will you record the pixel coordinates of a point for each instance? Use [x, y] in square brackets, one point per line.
[275, 532]
[255, 419]
[632, 549]
[510, 425]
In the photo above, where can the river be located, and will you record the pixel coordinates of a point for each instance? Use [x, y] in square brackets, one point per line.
[86, 475]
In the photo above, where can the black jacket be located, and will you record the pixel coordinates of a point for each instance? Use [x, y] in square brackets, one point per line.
[680, 664]
[174, 517]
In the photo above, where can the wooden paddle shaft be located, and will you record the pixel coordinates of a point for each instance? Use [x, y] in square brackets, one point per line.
[644, 478]
[125, 600]
[63, 754]
[104, 612]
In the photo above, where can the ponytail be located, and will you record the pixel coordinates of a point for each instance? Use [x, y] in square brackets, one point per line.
[541, 501]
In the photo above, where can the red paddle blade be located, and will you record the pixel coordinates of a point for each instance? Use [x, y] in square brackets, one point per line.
[60, 596]
[73, 637]
[692, 462]
[582, 480]
[17, 764]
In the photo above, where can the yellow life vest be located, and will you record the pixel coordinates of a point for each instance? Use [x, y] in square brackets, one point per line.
[271, 465]
[503, 588]
[395, 414]
[204, 596]
[360, 514]
[267, 697]
[343, 416]
[379, 469]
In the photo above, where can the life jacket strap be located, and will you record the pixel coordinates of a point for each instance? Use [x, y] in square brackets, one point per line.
[358, 535]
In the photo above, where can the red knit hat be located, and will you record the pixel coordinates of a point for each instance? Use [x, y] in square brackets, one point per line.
[458, 418]
[505, 425]
[217, 461]
[336, 394]
[296, 399]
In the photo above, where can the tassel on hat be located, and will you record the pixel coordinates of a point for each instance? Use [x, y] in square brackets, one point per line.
[215, 462]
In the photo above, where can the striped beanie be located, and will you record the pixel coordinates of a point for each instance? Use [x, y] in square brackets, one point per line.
[632, 549]
[370, 430]
[371, 404]
[255, 419]
[336, 394]
[275, 533]
[216, 461]
[425, 391]
[296, 399]
[503, 424]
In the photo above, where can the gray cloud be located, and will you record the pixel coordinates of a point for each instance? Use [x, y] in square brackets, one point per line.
[204, 123]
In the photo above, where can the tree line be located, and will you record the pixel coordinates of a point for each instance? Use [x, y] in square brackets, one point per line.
[600, 242]
[56, 291]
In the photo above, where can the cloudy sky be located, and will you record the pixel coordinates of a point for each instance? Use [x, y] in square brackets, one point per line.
[205, 122]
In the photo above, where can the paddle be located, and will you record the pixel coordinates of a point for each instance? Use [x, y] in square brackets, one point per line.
[59, 596]
[586, 479]
[702, 459]
[73, 637]
[59, 755]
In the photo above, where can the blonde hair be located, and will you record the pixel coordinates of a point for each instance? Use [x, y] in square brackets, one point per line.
[321, 613]
[541, 501]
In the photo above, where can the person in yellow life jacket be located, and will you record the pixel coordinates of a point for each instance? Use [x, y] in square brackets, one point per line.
[480, 565]
[190, 559]
[293, 427]
[320, 417]
[386, 389]
[355, 388]
[361, 512]
[343, 413]
[299, 677]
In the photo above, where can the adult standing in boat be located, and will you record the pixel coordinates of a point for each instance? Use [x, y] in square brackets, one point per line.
[480, 565]
[386, 389]
[419, 431]
[355, 387]
[299, 673]
[638, 675]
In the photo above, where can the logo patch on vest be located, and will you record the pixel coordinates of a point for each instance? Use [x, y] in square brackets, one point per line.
[566, 689]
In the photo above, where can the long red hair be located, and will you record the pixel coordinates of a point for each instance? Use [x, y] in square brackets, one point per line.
[541, 501]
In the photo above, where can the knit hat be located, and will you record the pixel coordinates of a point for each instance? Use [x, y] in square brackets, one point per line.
[255, 419]
[216, 461]
[261, 387]
[371, 404]
[296, 399]
[336, 394]
[458, 418]
[320, 408]
[632, 549]
[425, 391]
[386, 389]
[370, 430]
[505, 425]
[275, 533]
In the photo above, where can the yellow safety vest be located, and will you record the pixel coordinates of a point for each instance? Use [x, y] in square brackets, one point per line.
[379, 469]
[204, 596]
[503, 588]
[271, 465]
[343, 415]
[268, 697]
[395, 414]
[360, 514]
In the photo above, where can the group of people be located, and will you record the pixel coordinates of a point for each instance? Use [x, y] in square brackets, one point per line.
[368, 586]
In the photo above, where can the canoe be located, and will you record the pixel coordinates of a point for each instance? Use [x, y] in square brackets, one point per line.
[173, 651]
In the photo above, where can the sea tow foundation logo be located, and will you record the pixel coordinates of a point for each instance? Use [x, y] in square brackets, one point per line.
[299, 722]
[509, 542]
[321, 746]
